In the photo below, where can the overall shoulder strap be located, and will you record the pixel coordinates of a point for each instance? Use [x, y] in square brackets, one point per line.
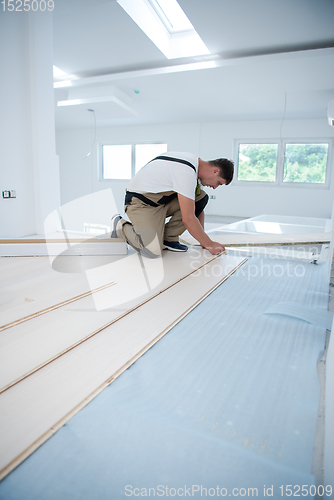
[178, 160]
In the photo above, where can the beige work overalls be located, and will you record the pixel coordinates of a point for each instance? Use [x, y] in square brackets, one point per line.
[148, 230]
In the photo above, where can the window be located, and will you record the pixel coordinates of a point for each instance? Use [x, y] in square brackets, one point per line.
[117, 161]
[123, 161]
[167, 26]
[257, 162]
[283, 162]
[171, 15]
[305, 163]
[146, 152]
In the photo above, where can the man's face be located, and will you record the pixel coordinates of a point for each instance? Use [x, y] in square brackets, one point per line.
[212, 179]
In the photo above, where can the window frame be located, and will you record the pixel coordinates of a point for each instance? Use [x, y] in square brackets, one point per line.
[133, 157]
[280, 163]
[101, 166]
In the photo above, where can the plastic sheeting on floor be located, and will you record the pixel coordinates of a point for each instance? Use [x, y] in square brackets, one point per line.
[225, 402]
[312, 315]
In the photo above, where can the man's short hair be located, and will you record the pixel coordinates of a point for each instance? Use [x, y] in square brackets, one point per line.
[226, 168]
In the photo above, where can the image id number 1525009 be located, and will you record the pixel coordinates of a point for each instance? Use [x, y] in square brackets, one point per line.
[26, 5]
[305, 490]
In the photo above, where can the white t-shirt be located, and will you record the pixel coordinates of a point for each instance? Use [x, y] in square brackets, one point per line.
[161, 175]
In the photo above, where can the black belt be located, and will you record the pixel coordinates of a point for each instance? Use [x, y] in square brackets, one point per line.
[163, 201]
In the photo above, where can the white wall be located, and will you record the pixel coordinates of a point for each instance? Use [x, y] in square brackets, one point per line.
[79, 177]
[28, 161]
[79, 174]
[217, 139]
[15, 152]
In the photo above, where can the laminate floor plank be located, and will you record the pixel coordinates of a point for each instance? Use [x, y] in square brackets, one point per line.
[251, 239]
[31, 284]
[27, 346]
[32, 410]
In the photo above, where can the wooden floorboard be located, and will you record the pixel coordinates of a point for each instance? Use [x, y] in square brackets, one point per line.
[29, 342]
[63, 243]
[265, 239]
[31, 284]
[33, 409]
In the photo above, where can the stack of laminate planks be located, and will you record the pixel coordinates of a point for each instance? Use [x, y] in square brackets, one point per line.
[57, 244]
[66, 336]
[265, 239]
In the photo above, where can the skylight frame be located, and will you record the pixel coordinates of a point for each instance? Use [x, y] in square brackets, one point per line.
[173, 45]
[171, 15]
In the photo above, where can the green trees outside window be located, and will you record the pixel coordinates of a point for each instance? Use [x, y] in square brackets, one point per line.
[257, 162]
[305, 163]
[283, 162]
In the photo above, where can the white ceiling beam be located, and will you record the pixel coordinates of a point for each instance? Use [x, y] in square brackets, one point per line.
[207, 62]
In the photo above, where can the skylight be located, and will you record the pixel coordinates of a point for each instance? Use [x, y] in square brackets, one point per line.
[165, 23]
[171, 15]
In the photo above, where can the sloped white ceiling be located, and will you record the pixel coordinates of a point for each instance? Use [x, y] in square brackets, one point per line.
[265, 50]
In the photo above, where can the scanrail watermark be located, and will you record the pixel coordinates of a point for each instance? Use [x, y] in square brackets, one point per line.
[196, 490]
[136, 276]
[258, 268]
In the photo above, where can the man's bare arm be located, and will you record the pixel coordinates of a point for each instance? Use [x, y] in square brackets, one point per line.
[194, 226]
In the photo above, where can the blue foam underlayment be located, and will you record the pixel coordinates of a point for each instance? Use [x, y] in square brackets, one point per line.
[227, 398]
[312, 315]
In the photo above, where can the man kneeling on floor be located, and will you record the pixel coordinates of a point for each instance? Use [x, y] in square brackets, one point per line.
[170, 186]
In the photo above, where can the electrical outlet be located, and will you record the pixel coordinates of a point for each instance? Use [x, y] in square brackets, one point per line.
[6, 194]
[13, 194]
[212, 197]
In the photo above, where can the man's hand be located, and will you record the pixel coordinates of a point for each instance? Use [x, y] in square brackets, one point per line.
[215, 248]
[194, 227]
